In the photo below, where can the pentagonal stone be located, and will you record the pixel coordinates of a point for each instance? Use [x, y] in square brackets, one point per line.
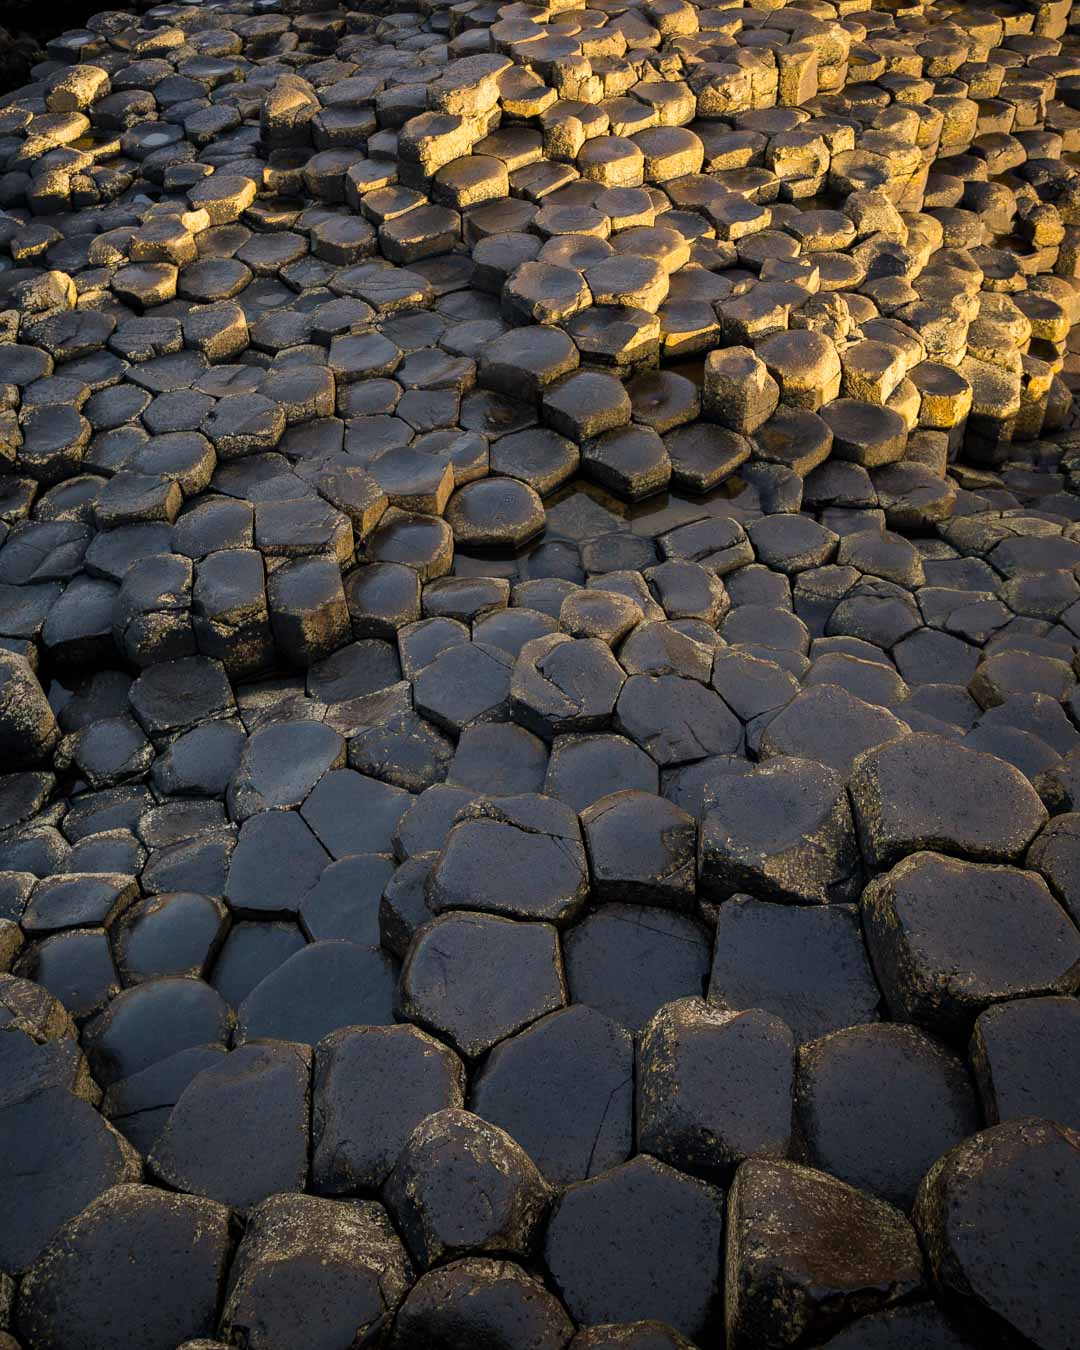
[315, 1270]
[585, 404]
[321, 987]
[865, 433]
[584, 768]
[949, 938]
[480, 1300]
[926, 792]
[628, 960]
[563, 1089]
[676, 720]
[349, 813]
[807, 965]
[1014, 1280]
[804, 1249]
[475, 979]
[59, 1155]
[879, 1104]
[783, 832]
[89, 1288]
[239, 1131]
[632, 461]
[372, 1087]
[309, 613]
[280, 764]
[405, 750]
[520, 856]
[641, 848]
[639, 1241]
[1021, 1056]
[499, 758]
[276, 862]
[462, 1185]
[538, 457]
[466, 684]
[561, 684]
[715, 1087]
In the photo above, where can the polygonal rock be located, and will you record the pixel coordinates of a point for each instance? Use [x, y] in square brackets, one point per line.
[314, 1270]
[477, 978]
[806, 1252]
[1014, 1279]
[927, 792]
[948, 938]
[372, 1087]
[88, 1290]
[639, 1241]
[461, 1185]
[783, 832]
[879, 1104]
[715, 1087]
[563, 1088]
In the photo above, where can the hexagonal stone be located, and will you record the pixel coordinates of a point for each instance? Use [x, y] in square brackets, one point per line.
[475, 979]
[321, 987]
[641, 848]
[88, 1290]
[372, 1087]
[948, 938]
[519, 856]
[239, 1131]
[807, 965]
[715, 1087]
[631, 461]
[152, 1021]
[495, 513]
[585, 404]
[314, 1269]
[879, 1104]
[462, 1185]
[1014, 1280]
[561, 684]
[480, 1301]
[927, 792]
[783, 832]
[805, 1250]
[639, 1241]
[628, 960]
[563, 1088]
[1021, 1056]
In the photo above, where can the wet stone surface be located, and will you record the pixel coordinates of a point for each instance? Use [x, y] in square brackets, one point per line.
[540, 677]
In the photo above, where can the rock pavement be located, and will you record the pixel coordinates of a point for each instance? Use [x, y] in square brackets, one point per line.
[540, 677]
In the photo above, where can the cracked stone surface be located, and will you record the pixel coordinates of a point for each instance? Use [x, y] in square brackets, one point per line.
[540, 677]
